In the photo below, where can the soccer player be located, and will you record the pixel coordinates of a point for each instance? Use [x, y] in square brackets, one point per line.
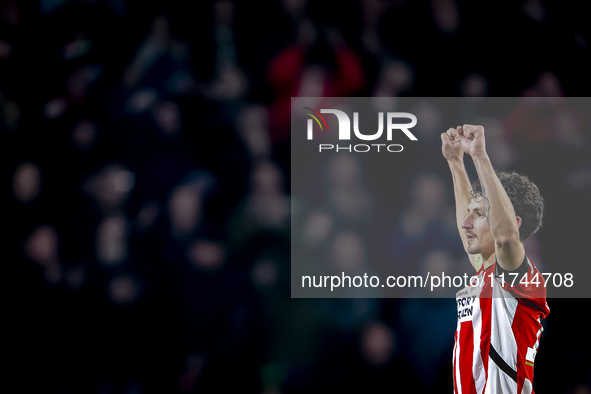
[499, 327]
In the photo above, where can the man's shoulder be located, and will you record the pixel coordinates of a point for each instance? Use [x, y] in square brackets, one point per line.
[526, 284]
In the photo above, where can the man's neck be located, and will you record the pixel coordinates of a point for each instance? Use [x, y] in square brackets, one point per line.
[489, 260]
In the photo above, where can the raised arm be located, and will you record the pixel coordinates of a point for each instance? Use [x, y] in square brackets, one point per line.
[502, 222]
[453, 152]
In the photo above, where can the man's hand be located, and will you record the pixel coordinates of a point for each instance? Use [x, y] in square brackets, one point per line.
[473, 140]
[452, 145]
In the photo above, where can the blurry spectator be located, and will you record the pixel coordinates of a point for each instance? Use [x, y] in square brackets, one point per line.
[168, 118]
[347, 253]
[377, 344]
[372, 12]
[533, 247]
[253, 128]
[266, 208]
[295, 8]
[161, 62]
[347, 196]
[547, 85]
[367, 361]
[80, 82]
[26, 182]
[224, 333]
[10, 12]
[193, 370]
[316, 229]
[84, 135]
[395, 77]
[474, 85]
[502, 153]
[230, 81]
[560, 123]
[535, 10]
[426, 348]
[579, 178]
[112, 240]
[428, 205]
[9, 113]
[42, 248]
[147, 215]
[206, 255]
[581, 389]
[185, 210]
[432, 121]
[55, 107]
[123, 290]
[76, 95]
[142, 100]
[317, 64]
[110, 187]
[446, 15]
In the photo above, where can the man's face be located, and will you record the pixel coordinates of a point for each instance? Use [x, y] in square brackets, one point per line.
[475, 225]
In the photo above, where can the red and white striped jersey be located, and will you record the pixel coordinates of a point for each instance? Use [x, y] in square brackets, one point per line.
[498, 331]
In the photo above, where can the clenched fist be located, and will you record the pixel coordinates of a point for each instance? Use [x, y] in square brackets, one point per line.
[473, 140]
[452, 145]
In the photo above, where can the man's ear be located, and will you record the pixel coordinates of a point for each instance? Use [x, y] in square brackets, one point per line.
[518, 221]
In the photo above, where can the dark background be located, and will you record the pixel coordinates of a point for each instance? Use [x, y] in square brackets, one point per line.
[146, 187]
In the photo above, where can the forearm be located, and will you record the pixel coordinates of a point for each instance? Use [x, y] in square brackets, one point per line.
[500, 212]
[462, 187]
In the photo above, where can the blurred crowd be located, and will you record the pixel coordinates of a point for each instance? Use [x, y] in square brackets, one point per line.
[146, 169]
